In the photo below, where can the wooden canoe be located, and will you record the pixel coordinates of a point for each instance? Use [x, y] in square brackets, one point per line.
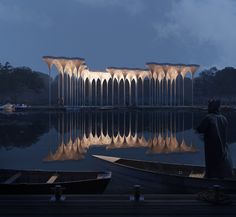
[43, 182]
[159, 177]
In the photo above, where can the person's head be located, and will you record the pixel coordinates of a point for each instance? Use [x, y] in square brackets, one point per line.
[213, 106]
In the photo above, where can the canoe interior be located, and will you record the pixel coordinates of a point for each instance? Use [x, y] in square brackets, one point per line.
[44, 182]
[43, 176]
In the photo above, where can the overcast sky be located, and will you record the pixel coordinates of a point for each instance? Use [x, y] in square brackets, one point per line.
[118, 32]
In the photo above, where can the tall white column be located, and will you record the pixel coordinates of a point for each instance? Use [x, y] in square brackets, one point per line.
[130, 92]
[179, 93]
[86, 93]
[102, 92]
[49, 87]
[90, 92]
[162, 92]
[85, 100]
[154, 91]
[58, 88]
[118, 88]
[83, 92]
[157, 96]
[62, 87]
[171, 83]
[124, 93]
[107, 102]
[150, 95]
[74, 92]
[136, 93]
[84, 89]
[68, 89]
[71, 90]
[183, 90]
[158, 92]
[192, 87]
[175, 99]
[112, 91]
[77, 91]
[95, 94]
[80, 90]
[167, 84]
[142, 91]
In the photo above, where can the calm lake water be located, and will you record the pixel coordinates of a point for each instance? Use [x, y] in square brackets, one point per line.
[67, 140]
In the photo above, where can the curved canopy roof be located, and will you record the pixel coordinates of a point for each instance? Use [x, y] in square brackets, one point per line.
[158, 70]
[172, 70]
[65, 63]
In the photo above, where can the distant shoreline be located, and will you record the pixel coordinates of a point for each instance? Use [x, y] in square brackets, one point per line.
[116, 108]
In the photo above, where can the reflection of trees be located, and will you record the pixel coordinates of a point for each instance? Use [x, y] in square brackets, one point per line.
[156, 131]
[22, 130]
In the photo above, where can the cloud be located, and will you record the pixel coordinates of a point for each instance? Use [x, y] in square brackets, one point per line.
[205, 22]
[12, 13]
[133, 7]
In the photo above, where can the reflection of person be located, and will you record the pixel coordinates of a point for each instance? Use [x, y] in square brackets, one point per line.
[60, 101]
[217, 156]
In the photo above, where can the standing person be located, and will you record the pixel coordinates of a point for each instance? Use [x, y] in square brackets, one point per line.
[217, 156]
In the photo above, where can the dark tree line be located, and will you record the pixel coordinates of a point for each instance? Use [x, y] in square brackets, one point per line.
[213, 83]
[22, 85]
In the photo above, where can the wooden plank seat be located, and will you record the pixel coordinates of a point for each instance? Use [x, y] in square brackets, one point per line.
[13, 178]
[195, 174]
[52, 179]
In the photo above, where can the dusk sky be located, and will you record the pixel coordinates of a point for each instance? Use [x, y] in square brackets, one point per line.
[119, 32]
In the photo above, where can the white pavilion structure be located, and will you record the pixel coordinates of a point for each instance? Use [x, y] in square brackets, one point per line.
[155, 85]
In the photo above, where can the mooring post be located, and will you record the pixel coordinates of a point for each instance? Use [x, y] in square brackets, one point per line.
[57, 193]
[136, 194]
[217, 189]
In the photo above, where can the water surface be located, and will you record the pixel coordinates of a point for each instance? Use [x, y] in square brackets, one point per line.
[67, 140]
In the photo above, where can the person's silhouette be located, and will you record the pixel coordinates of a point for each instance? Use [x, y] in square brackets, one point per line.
[217, 156]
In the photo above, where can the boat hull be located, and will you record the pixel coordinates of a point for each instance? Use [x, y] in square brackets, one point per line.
[90, 183]
[154, 182]
[83, 187]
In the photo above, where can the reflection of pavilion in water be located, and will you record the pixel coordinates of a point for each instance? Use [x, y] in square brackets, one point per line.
[159, 132]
